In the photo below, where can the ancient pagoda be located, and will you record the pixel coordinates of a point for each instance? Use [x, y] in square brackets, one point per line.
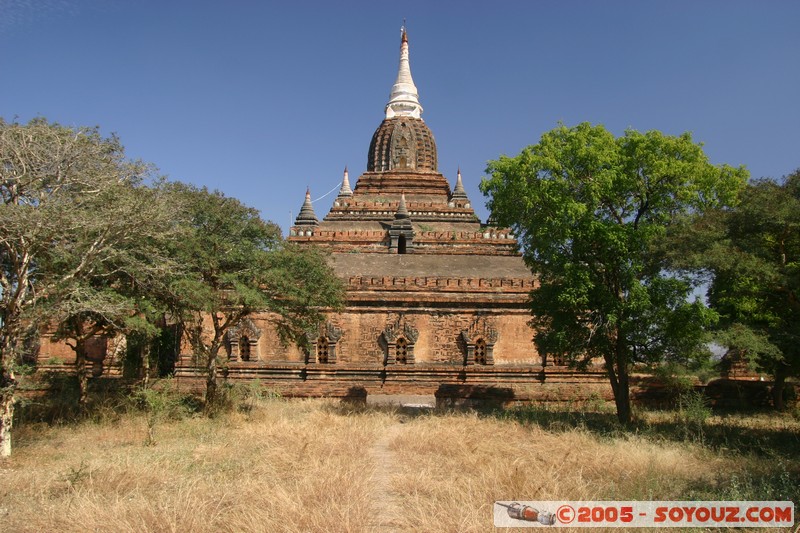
[432, 292]
[436, 301]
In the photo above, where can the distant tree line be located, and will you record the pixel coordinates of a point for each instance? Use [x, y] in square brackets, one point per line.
[92, 243]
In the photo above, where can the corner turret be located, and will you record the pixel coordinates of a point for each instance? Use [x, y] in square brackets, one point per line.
[307, 217]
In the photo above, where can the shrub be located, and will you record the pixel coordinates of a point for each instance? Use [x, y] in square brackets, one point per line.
[693, 412]
[162, 401]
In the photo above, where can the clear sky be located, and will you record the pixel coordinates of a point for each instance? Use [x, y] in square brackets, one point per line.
[261, 99]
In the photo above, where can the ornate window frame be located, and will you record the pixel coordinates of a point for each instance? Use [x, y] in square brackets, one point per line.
[404, 332]
[245, 329]
[322, 350]
[480, 330]
[329, 332]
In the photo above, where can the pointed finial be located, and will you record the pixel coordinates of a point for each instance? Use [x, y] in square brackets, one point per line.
[402, 211]
[459, 191]
[403, 35]
[404, 98]
[345, 189]
[306, 216]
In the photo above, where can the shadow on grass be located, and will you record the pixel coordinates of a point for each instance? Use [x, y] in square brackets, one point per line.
[770, 481]
[557, 419]
[729, 436]
[727, 433]
[769, 446]
[401, 412]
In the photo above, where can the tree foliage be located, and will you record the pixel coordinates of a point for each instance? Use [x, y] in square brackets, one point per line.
[130, 225]
[89, 246]
[74, 225]
[753, 255]
[236, 264]
[591, 212]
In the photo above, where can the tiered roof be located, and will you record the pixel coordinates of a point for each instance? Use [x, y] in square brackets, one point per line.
[402, 182]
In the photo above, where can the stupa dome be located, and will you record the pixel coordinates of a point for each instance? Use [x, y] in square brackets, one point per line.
[402, 143]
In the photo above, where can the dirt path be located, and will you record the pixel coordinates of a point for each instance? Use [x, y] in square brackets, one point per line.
[386, 502]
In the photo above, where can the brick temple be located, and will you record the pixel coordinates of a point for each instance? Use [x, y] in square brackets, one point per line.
[427, 283]
[436, 300]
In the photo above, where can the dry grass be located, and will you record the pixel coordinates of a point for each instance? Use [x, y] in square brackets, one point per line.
[308, 466]
[455, 467]
[295, 466]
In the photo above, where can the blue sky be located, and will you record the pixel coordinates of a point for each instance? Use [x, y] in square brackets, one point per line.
[261, 99]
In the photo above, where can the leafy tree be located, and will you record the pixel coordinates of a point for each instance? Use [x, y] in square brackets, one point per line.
[124, 293]
[236, 264]
[70, 214]
[591, 211]
[121, 292]
[753, 254]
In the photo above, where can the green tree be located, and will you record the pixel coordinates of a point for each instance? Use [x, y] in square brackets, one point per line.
[753, 253]
[70, 210]
[122, 291]
[591, 212]
[236, 264]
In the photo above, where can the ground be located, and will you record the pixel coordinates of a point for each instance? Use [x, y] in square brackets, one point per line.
[321, 465]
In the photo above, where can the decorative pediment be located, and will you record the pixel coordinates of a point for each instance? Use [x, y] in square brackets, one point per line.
[332, 332]
[481, 328]
[246, 331]
[400, 328]
[479, 339]
[312, 334]
[325, 329]
[245, 328]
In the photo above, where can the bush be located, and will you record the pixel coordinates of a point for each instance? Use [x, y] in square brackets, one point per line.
[53, 398]
[162, 401]
[693, 412]
[243, 397]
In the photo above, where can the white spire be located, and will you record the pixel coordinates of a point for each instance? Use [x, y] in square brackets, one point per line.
[404, 101]
[345, 189]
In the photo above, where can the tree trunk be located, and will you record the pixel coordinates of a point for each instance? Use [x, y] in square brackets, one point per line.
[7, 386]
[620, 388]
[9, 333]
[777, 389]
[211, 381]
[145, 353]
[623, 399]
[622, 393]
[82, 372]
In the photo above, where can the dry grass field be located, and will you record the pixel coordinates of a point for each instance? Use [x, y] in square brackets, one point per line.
[319, 465]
